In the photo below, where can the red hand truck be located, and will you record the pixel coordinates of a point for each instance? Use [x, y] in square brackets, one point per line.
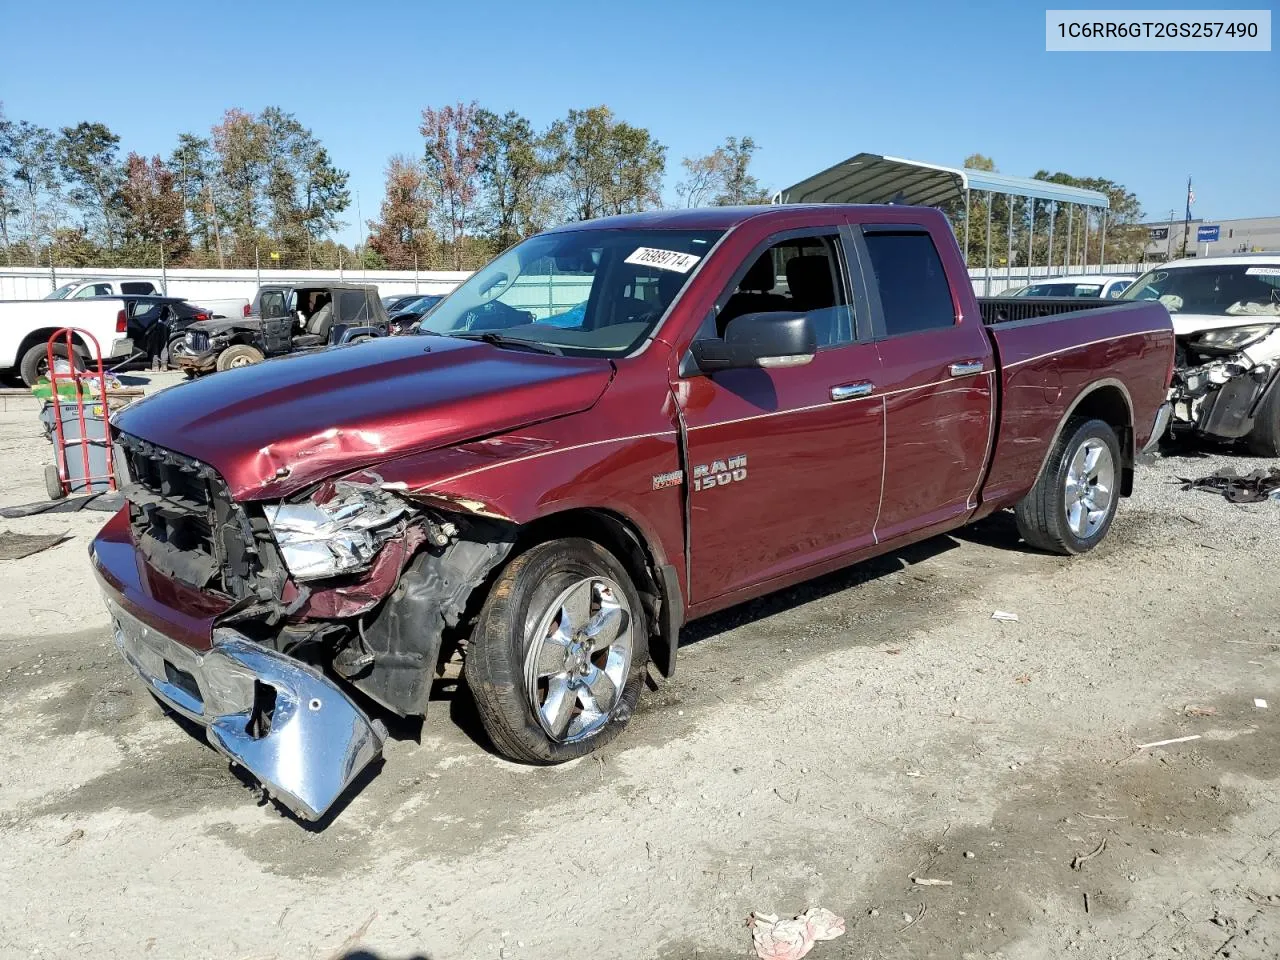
[62, 477]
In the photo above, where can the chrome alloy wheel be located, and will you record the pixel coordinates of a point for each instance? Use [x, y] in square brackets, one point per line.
[1090, 485]
[577, 659]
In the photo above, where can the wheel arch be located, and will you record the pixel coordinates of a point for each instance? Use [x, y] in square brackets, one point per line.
[42, 336]
[1107, 400]
[654, 579]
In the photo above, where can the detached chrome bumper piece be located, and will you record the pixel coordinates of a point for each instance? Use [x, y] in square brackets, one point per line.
[281, 720]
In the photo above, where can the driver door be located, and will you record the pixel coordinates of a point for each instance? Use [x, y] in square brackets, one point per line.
[785, 463]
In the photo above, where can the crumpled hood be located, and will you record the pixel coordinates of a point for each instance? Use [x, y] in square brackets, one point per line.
[222, 324]
[1186, 324]
[275, 427]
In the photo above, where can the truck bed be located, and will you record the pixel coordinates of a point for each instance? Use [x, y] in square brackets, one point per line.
[1049, 358]
[1009, 309]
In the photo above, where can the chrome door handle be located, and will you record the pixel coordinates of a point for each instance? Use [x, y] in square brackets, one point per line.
[966, 367]
[849, 391]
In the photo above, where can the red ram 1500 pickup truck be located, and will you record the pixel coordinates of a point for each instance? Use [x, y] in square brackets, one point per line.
[613, 428]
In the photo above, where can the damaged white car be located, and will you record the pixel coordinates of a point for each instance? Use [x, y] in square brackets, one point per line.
[1226, 316]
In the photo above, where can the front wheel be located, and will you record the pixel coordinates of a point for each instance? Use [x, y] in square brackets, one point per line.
[1071, 507]
[239, 355]
[557, 658]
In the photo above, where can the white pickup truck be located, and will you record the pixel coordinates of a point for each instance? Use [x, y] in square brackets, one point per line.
[26, 325]
[218, 308]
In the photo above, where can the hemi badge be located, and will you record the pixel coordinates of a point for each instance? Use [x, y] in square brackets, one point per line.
[664, 480]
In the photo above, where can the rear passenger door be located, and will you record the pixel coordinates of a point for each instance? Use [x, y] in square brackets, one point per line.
[936, 382]
[784, 463]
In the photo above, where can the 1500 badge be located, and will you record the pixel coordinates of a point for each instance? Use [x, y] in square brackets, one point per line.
[720, 473]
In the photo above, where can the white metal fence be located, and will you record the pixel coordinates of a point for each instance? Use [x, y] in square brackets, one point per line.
[33, 283]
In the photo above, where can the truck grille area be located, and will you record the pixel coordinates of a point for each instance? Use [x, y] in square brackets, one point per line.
[187, 526]
[197, 341]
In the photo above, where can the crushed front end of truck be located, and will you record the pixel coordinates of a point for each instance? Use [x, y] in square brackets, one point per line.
[1222, 375]
[250, 618]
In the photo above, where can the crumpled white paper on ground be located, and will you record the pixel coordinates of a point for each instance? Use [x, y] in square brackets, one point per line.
[791, 939]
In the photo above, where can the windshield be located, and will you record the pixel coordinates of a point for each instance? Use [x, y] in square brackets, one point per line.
[1218, 290]
[579, 291]
[62, 292]
[1060, 290]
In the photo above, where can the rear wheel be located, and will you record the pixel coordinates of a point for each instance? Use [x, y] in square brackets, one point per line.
[1071, 507]
[557, 658]
[35, 362]
[239, 355]
[1264, 439]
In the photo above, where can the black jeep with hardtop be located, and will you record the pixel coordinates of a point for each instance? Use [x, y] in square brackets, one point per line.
[284, 319]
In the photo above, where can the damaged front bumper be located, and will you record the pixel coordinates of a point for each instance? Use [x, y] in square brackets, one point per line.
[282, 720]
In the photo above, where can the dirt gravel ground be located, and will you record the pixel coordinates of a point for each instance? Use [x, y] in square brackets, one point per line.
[826, 746]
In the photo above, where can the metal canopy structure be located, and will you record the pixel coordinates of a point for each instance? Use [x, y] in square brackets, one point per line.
[872, 178]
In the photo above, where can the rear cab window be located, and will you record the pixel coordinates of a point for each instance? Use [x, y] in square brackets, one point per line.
[138, 288]
[915, 294]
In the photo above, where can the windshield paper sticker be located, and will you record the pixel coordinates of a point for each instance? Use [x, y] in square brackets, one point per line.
[664, 259]
[1263, 271]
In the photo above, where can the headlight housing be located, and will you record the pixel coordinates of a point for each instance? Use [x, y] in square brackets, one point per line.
[1235, 338]
[339, 530]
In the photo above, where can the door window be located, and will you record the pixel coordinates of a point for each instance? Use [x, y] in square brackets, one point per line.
[93, 290]
[352, 307]
[914, 292]
[796, 275]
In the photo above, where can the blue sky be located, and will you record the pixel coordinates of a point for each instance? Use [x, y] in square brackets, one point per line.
[812, 82]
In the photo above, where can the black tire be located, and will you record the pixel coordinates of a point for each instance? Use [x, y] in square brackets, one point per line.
[1263, 439]
[239, 355]
[494, 668]
[52, 484]
[35, 362]
[1042, 515]
[175, 346]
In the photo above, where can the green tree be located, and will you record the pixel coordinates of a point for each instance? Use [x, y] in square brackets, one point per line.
[88, 158]
[325, 193]
[722, 177]
[739, 185]
[1126, 239]
[515, 169]
[193, 166]
[453, 146]
[34, 159]
[241, 151]
[8, 208]
[606, 166]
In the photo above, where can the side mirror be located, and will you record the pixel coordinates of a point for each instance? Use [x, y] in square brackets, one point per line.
[759, 340]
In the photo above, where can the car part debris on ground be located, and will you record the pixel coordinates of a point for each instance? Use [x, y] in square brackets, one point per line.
[792, 939]
[1165, 743]
[1004, 616]
[16, 546]
[1253, 487]
[104, 502]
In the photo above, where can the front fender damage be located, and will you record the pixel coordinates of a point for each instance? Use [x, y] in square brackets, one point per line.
[393, 658]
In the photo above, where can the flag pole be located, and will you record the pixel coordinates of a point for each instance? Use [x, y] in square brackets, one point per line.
[1186, 224]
